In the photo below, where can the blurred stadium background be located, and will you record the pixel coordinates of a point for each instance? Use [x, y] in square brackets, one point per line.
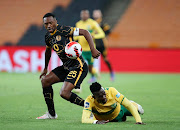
[145, 38]
[145, 34]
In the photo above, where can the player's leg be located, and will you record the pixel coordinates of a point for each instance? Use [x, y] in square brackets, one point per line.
[47, 82]
[104, 54]
[92, 70]
[74, 80]
[70, 96]
[88, 57]
[103, 51]
[121, 116]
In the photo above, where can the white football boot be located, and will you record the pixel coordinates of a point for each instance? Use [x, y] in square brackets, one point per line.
[140, 109]
[47, 116]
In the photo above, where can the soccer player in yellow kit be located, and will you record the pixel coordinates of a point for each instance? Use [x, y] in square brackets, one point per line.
[108, 105]
[101, 43]
[93, 27]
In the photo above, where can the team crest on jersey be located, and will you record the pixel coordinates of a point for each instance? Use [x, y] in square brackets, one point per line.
[86, 104]
[118, 95]
[58, 37]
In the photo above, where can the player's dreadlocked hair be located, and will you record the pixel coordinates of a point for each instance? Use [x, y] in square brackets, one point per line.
[95, 87]
[48, 15]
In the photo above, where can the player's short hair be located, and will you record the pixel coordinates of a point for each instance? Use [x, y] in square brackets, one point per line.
[49, 15]
[95, 87]
[85, 10]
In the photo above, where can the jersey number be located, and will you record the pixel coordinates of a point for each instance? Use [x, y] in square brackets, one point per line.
[56, 48]
[72, 74]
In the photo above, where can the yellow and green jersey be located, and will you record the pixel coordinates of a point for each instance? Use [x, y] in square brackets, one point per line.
[110, 109]
[93, 27]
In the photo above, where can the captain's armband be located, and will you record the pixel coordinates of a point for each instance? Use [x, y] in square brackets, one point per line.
[76, 32]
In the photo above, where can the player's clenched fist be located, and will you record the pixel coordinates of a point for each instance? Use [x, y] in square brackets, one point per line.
[95, 53]
[43, 73]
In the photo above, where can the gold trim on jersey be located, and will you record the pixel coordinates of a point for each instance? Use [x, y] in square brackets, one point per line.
[72, 30]
[106, 27]
[61, 31]
[80, 72]
[70, 39]
[53, 32]
[99, 20]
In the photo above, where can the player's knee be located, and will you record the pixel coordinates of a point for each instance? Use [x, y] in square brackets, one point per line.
[65, 94]
[45, 82]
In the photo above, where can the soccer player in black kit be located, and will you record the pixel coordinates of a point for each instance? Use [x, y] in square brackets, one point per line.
[72, 72]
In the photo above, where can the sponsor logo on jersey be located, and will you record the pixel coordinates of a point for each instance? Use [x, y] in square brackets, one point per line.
[86, 104]
[118, 95]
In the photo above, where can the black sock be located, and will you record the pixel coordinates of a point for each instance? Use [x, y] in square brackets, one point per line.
[48, 96]
[109, 65]
[76, 100]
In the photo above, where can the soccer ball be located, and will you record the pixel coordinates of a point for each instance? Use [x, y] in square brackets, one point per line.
[73, 50]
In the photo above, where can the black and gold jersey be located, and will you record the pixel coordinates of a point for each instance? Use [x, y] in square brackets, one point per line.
[105, 27]
[58, 40]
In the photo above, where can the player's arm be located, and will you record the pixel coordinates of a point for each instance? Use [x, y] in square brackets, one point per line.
[86, 117]
[127, 104]
[87, 112]
[70, 31]
[99, 32]
[47, 58]
[88, 37]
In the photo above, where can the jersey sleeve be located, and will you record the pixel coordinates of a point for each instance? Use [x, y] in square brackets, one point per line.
[99, 32]
[87, 111]
[131, 108]
[66, 31]
[117, 95]
[47, 41]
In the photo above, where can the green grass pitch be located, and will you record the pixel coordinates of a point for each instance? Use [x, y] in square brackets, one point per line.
[21, 101]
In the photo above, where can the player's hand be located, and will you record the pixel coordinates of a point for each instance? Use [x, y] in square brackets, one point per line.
[140, 123]
[43, 73]
[102, 122]
[95, 53]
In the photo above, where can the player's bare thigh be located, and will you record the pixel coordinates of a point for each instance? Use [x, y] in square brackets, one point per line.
[49, 79]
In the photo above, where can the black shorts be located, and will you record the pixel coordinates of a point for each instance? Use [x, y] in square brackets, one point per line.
[75, 76]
